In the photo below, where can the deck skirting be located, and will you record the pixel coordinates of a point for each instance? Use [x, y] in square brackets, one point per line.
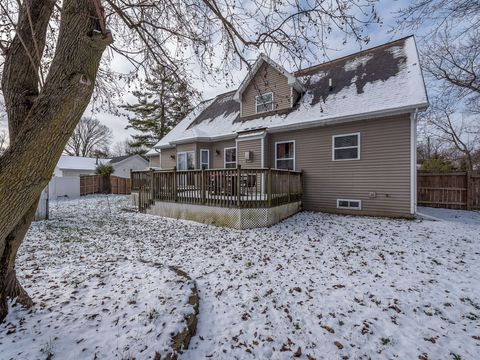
[236, 218]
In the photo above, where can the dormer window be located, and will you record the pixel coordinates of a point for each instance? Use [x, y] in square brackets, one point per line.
[264, 102]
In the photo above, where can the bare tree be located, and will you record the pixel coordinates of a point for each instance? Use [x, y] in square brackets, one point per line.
[89, 138]
[450, 47]
[53, 56]
[460, 132]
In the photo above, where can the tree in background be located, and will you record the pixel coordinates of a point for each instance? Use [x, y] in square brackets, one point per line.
[437, 165]
[53, 59]
[125, 147]
[162, 103]
[89, 139]
[450, 57]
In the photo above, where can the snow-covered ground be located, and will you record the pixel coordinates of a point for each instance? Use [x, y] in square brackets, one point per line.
[316, 286]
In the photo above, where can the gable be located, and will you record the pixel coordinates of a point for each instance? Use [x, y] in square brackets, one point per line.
[266, 79]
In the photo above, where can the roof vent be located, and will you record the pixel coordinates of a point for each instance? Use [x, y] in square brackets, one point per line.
[330, 84]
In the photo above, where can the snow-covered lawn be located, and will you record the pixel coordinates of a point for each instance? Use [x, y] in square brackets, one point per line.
[316, 286]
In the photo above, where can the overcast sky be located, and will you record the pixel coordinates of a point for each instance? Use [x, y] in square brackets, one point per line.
[378, 34]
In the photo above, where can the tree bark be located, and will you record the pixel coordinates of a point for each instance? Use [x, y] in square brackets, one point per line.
[43, 124]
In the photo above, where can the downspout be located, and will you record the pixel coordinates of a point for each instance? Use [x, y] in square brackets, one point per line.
[413, 162]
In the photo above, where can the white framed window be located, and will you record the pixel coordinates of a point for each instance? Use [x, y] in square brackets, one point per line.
[264, 102]
[346, 147]
[349, 204]
[204, 159]
[230, 157]
[186, 160]
[285, 155]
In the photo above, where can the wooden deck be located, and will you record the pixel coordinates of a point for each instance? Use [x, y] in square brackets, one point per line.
[232, 188]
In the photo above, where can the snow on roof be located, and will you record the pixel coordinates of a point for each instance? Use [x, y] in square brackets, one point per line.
[151, 152]
[378, 81]
[79, 163]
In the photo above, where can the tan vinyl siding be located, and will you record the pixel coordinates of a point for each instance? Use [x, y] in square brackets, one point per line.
[267, 79]
[167, 162]
[255, 146]
[217, 160]
[154, 161]
[384, 166]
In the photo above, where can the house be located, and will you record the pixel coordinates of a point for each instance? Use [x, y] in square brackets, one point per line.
[76, 166]
[122, 165]
[348, 125]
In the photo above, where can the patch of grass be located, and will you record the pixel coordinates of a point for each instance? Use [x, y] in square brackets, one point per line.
[385, 341]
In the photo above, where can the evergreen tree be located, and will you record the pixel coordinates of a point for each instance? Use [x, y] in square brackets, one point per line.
[162, 103]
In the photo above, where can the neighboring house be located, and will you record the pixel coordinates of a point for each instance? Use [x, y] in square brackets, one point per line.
[124, 164]
[69, 166]
[348, 124]
[77, 165]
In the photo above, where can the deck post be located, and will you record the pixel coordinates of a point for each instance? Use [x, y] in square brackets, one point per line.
[288, 191]
[202, 186]
[469, 191]
[152, 186]
[175, 183]
[239, 184]
[269, 187]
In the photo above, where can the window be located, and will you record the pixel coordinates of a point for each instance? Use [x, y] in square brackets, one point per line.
[264, 102]
[346, 147]
[285, 155]
[186, 160]
[230, 157]
[204, 158]
[349, 204]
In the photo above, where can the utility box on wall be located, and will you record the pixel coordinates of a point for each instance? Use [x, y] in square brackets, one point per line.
[248, 156]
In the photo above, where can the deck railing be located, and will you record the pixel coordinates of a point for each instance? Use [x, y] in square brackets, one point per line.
[236, 187]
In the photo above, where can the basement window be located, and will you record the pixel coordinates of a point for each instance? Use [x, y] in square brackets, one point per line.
[349, 204]
[264, 102]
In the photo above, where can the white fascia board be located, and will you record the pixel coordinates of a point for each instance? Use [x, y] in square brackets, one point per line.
[345, 119]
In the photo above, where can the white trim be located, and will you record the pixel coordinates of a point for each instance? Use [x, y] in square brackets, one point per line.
[208, 158]
[225, 156]
[186, 152]
[262, 155]
[346, 147]
[294, 152]
[263, 103]
[413, 162]
[349, 207]
[252, 136]
[347, 118]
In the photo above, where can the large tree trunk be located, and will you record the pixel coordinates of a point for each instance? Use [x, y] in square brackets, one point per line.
[42, 121]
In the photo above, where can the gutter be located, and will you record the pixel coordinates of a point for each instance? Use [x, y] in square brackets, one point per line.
[347, 118]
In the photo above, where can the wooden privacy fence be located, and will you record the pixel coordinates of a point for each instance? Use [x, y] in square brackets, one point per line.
[237, 187]
[459, 190]
[96, 184]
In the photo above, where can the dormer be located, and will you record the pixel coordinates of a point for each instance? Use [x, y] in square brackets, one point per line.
[267, 89]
